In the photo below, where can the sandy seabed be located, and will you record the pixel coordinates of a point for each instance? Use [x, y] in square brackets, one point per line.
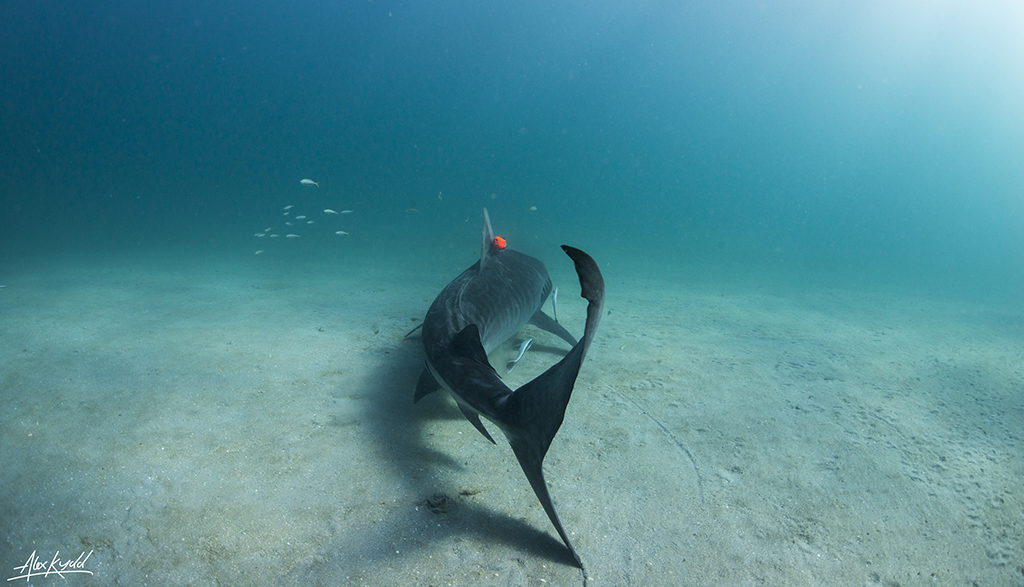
[248, 420]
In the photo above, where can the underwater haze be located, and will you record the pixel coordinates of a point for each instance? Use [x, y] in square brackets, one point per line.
[809, 216]
[882, 132]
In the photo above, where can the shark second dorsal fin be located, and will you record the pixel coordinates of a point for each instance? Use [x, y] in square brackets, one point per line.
[466, 344]
[487, 241]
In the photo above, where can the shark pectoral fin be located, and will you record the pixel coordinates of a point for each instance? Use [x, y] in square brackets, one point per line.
[408, 334]
[425, 386]
[525, 346]
[474, 419]
[545, 322]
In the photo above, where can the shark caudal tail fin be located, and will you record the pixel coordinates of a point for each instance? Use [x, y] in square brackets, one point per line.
[534, 412]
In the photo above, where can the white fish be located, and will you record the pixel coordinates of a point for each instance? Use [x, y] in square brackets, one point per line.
[523, 347]
[329, 211]
[346, 212]
[258, 252]
[291, 236]
[261, 234]
[303, 217]
[273, 236]
[288, 223]
[309, 222]
[289, 206]
[268, 229]
[340, 232]
[309, 182]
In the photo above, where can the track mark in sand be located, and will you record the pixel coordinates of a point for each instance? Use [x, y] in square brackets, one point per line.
[675, 440]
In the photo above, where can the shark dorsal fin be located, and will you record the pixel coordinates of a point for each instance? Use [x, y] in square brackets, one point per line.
[487, 241]
[466, 344]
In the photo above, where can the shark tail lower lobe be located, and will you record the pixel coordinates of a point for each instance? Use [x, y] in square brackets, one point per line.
[534, 414]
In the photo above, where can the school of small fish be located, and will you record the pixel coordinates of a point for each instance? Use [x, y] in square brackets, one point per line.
[270, 232]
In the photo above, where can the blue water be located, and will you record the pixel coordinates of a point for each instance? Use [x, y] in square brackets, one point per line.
[876, 133]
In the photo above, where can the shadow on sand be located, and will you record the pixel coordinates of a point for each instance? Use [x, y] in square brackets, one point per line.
[413, 522]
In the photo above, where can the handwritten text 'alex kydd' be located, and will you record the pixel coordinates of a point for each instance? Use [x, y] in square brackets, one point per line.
[36, 567]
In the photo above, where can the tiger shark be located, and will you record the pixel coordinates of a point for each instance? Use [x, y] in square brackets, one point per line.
[477, 312]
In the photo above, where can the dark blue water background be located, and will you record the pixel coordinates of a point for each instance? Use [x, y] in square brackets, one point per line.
[878, 134]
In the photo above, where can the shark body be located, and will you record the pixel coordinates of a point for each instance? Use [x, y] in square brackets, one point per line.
[479, 310]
